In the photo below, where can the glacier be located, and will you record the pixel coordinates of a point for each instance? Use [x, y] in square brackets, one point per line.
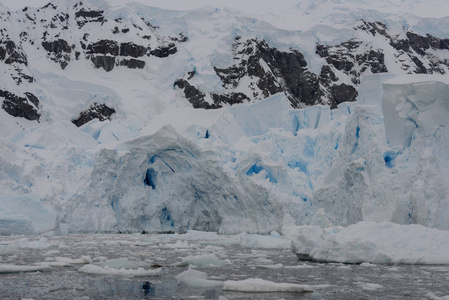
[260, 166]
[158, 165]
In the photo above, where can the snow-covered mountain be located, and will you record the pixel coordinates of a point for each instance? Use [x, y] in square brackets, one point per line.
[133, 118]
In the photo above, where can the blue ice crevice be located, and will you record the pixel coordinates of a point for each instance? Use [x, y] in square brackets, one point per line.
[166, 219]
[389, 158]
[300, 164]
[150, 178]
[257, 168]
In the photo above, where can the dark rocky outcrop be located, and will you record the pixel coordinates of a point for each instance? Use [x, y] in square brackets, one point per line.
[232, 98]
[197, 97]
[84, 16]
[270, 71]
[343, 93]
[133, 50]
[103, 54]
[20, 77]
[11, 53]
[96, 111]
[194, 95]
[132, 63]
[103, 47]
[23, 107]
[164, 51]
[58, 46]
[103, 61]
[352, 59]
[58, 51]
[412, 49]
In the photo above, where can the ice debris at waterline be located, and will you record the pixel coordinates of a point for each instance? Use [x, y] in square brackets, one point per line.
[127, 266]
[194, 278]
[381, 243]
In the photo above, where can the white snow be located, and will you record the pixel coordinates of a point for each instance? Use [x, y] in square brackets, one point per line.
[202, 261]
[98, 270]
[82, 260]
[378, 243]
[432, 296]
[257, 285]
[369, 286]
[197, 279]
[124, 263]
[261, 241]
[7, 268]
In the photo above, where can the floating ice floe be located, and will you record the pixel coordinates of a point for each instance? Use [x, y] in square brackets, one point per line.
[369, 286]
[197, 279]
[262, 241]
[82, 260]
[256, 285]
[370, 242]
[98, 270]
[52, 264]
[178, 245]
[272, 267]
[13, 247]
[432, 296]
[7, 268]
[124, 263]
[202, 261]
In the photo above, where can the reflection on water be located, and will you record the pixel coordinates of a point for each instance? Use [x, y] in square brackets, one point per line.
[346, 281]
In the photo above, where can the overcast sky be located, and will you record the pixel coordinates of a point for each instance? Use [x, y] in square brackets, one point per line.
[259, 6]
[423, 8]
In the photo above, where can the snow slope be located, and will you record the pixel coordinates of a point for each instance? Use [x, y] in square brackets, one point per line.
[158, 165]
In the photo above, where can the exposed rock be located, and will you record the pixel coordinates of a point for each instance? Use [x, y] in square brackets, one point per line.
[19, 77]
[194, 95]
[58, 51]
[57, 47]
[96, 111]
[131, 49]
[270, 71]
[132, 63]
[104, 47]
[20, 106]
[343, 93]
[84, 16]
[232, 98]
[164, 51]
[413, 50]
[11, 53]
[103, 61]
[353, 58]
[374, 28]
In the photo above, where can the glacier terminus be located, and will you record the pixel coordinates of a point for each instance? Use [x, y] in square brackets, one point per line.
[320, 131]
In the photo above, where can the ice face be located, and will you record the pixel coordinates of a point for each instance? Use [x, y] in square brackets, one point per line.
[238, 169]
[165, 183]
[358, 162]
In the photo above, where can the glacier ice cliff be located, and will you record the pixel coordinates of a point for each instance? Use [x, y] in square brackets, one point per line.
[381, 158]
